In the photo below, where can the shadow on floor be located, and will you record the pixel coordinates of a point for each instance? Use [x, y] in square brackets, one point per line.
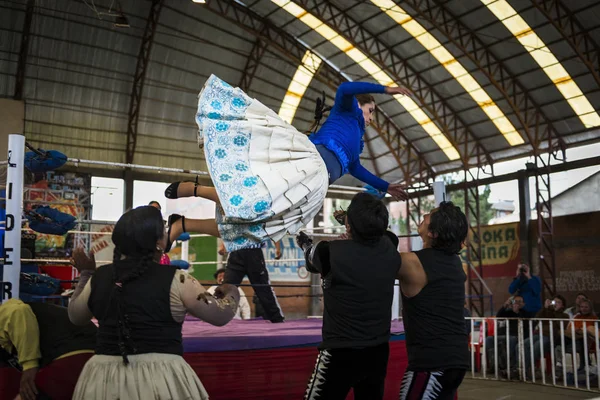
[479, 389]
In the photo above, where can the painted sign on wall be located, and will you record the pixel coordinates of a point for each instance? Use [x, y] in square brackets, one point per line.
[291, 269]
[500, 249]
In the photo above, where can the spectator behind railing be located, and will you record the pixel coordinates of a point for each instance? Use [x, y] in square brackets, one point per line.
[529, 287]
[552, 309]
[513, 308]
[586, 312]
[572, 311]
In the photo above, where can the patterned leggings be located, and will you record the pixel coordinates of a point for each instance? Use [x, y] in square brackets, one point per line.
[434, 385]
[339, 370]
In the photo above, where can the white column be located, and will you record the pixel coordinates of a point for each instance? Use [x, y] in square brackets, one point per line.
[439, 192]
[14, 203]
[396, 304]
[185, 250]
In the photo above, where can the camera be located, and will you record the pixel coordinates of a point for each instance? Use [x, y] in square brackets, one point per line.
[553, 302]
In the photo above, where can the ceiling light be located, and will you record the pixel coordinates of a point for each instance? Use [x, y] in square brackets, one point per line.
[452, 65]
[298, 86]
[546, 60]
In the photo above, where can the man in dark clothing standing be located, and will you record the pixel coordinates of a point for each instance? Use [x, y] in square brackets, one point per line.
[251, 262]
[358, 277]
[432, 281]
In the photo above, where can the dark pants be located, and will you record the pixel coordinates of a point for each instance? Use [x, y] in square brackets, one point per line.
[55, 381]
[251, 262]
[339, 370]
[435, 385]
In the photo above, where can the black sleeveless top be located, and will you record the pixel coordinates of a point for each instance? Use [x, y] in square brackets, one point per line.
[359, 295]
[146, 301]
[433, 319]
[58, 335]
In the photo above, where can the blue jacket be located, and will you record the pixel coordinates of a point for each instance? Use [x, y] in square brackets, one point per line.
[343, 131]
[531, 291]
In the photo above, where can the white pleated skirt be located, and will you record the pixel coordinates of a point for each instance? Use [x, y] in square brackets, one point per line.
[270, 179]
[151, 376]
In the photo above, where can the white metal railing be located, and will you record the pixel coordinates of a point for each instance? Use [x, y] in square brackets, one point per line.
[534, 356]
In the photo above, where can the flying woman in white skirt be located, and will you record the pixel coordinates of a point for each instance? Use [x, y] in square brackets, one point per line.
[270, 179]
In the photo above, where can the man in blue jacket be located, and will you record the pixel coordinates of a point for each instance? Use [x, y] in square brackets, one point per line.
[529, 287]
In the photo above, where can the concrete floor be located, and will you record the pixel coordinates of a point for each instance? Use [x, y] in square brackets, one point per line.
[479, 389]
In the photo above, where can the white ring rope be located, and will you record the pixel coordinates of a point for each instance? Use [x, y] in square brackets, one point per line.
[70, 263]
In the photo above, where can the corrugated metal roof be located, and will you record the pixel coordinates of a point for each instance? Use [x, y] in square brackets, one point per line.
[80, 69]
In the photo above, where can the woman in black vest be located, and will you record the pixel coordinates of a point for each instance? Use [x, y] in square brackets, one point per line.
[140, 306]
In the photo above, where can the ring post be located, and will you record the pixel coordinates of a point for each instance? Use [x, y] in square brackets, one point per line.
[439, 192]
[11, 270]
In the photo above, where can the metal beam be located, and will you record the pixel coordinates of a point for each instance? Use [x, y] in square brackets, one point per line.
[24, 50]
[474, 256]
[139, 77]
[373, 159]
[545, 226]
[573, 33]
[524, 217]
[258, 49]
[450, 122]
[535, 124]
[565, 166]
[407, 155]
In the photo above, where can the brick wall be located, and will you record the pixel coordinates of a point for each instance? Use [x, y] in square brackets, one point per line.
[577, 253]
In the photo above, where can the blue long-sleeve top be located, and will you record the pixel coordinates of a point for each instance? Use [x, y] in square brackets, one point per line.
[531, 290]
[343, 131]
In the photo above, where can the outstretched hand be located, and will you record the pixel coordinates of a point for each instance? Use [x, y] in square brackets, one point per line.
[82, 261]
[398, 90]
[397, 192]
[303, 240]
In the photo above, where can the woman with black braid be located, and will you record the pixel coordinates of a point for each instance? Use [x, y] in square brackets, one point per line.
[140, 306]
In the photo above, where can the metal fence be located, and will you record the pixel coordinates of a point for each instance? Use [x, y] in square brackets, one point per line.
[561, 354]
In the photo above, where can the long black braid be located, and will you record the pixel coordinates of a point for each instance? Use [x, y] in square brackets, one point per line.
[320, 110]
[126, 344]
[135, 236]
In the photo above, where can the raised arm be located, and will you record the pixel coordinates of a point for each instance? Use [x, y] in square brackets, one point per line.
[344, 97]
[216, 310]
[79, 312]
[316, 255]
[362, 174]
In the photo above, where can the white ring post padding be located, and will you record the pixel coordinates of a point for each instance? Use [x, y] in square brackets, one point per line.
[185, 251]
[11, 270]
[439, 192]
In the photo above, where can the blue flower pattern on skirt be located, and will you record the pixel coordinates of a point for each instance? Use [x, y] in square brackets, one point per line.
[261, 206]
[240, 141]
[245, 200]
[249, 182]
[220, 153]
[236, 200]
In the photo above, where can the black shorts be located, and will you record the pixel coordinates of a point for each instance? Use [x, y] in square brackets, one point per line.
[435, 385]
